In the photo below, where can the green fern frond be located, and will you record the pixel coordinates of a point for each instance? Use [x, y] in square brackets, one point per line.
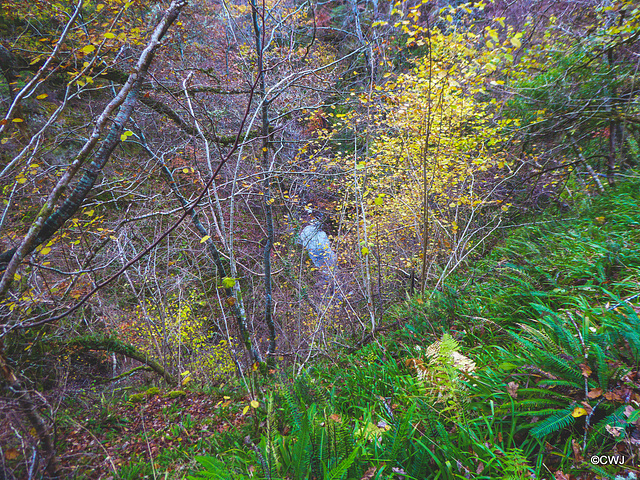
[603, 473]
[560, 366]
[443, 436]
[566, 339]
[549, 361]
[631, 335]
[561, 383]
[515, 465]
[216, 469]
[400, 433]
[302, 450]
[540, 403]
[603, 371]
[616, 419]
[544, 340]
[553, 423]
[538, 413]
[340, 471]
[541, 393]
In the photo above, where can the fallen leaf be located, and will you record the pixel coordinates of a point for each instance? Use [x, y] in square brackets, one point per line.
[384, 425]
[512, 389]
[595, 393]
[614, 431]
[586, 370]
[11, 454]
[587, 407]
[577, 451]
[612, 396]
[578, 412]
[369, 474]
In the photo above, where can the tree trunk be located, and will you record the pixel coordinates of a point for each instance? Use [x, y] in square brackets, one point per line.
[29, 409]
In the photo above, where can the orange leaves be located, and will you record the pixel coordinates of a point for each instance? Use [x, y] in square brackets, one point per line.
[416, 364]
[11, 454]
[586, 370]
[595, 393]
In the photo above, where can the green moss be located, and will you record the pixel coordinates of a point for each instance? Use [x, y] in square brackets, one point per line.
[137, 398]
[175, 394]
[152, 391]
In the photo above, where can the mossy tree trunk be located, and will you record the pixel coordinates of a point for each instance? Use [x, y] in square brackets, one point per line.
[115, 345]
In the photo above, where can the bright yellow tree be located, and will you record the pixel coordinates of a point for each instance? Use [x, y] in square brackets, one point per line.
[430, 148]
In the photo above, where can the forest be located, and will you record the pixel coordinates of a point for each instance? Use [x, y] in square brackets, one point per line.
[320, 239]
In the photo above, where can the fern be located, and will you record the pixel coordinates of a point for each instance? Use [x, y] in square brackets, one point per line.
[544, 340]
[562, 383]
[217, 469]
[549, 361]
[604, 474]
[401, 433]
[616, 419]
[553, 423]
[541, 412]
[603, 370]
[540, 403]
[302, 450]
[515, 465]
[340, 471]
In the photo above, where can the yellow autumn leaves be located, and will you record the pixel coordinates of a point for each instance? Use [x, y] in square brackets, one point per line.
[226, 401]
[253, 404]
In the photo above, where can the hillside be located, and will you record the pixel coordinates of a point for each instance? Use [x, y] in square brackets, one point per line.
[302, 240]
[526, 364]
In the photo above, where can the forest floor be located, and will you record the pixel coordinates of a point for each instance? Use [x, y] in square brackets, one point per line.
[160, 433]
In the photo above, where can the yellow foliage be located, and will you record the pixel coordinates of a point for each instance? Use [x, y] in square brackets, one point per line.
[180, 330]
[431, 132]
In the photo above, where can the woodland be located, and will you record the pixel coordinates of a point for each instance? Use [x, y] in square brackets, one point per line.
[305, 239]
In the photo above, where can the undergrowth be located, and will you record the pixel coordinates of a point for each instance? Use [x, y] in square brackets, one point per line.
[523, 367]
